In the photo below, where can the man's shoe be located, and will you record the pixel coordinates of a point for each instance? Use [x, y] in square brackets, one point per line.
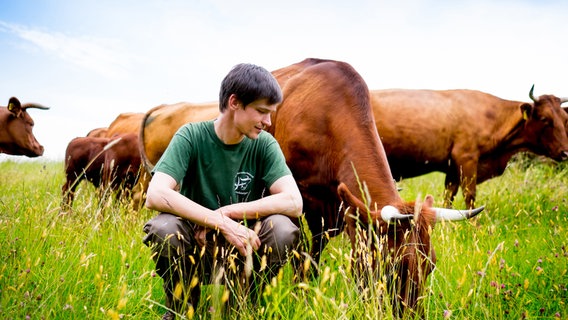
[169, 315]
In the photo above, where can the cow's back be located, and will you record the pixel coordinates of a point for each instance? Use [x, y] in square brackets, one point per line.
[162, 122]
[128, 122]
[421, 129]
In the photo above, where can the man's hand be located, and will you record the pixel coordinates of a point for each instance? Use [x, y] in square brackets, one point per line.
[243, 238]
[200, 234]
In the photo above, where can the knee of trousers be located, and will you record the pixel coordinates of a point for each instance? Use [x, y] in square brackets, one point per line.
[279, 236]
[168, 234]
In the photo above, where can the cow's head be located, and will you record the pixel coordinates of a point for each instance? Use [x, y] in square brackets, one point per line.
[421, 216]
[399, 234]
[547, 123]
[16, 136]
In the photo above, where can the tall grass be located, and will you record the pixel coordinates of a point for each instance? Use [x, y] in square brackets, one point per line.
[509, 263]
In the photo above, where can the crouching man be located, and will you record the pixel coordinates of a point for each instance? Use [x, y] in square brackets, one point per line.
[227, 199]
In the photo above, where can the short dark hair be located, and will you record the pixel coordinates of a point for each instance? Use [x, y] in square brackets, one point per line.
[249, 83]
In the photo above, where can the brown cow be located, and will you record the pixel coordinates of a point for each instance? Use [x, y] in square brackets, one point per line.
[108, 163]
[469, 135]
[326, 129]
[16, 125]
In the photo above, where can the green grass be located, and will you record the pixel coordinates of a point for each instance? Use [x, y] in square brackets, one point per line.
[509, 263]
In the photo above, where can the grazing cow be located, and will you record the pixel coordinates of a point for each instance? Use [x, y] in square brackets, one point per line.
[108, 163]
[468, 135]
[160, 124]
[326, 130]
[16, 125]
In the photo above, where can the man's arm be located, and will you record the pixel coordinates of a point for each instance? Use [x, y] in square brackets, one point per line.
[284, 198]
[161, 196]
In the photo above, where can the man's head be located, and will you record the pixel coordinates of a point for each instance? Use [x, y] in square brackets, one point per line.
[249, 83]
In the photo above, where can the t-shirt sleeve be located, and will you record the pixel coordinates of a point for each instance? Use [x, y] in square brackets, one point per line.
[177, 156]
[275, 163]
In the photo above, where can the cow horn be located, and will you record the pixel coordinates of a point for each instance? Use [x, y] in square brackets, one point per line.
[34, 105]
[531, 94]
[562, 100]
[390, 214]
[455, 215]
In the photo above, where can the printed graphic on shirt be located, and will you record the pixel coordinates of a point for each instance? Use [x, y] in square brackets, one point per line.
[243, 185]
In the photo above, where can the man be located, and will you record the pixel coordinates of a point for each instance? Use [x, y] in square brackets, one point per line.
[232, 216]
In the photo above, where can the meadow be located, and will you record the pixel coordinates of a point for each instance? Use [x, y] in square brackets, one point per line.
[511, 262]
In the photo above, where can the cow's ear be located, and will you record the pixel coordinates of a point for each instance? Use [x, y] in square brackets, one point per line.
[14, 105]
[429, 201]
[351, 201]
[527, 110]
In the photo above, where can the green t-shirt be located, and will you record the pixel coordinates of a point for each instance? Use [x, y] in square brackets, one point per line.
[215, 174]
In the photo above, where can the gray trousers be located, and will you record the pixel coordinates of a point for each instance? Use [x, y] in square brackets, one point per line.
[179, 259]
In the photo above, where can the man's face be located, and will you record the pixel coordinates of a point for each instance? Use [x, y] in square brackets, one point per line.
[255, 118]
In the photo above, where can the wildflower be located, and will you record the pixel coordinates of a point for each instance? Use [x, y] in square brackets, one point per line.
[447, 314]
[501, 263]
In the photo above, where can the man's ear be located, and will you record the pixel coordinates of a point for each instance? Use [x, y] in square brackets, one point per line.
[234, 102]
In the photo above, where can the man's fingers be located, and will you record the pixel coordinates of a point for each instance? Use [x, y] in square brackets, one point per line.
[254, 240]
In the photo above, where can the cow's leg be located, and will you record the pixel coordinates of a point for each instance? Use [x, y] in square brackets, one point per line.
[68, 189]
[468, 182]
[306, 265]
[452, 183]
[319, 242]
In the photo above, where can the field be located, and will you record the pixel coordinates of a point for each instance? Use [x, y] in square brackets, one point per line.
[509, 263]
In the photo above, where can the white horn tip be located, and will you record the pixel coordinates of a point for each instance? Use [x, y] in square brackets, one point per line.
[455, 215]
[390, 213]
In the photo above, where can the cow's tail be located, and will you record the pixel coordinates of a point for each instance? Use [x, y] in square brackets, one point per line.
[147, 119]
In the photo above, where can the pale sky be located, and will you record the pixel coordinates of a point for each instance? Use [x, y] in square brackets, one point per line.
[91, 60]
